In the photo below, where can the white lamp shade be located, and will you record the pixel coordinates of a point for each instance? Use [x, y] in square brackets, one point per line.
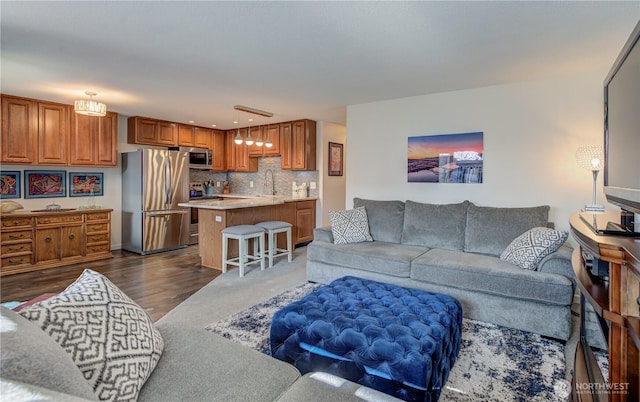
[590, 157]
[90, 107]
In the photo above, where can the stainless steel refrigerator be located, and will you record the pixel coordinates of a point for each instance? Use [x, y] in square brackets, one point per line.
[154, 181]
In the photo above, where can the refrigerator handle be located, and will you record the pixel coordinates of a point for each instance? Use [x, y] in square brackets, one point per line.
[167, 181]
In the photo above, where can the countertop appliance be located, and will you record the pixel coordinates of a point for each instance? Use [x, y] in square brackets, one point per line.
[199, 158]
[154, 181]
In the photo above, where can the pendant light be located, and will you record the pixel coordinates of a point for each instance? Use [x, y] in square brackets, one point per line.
[259, 141]
[268, 143]
[249, 140]
[238, 139]
[89, 107]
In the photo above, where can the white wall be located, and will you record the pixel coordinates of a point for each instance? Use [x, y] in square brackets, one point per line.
[531, 131]
[332, 188]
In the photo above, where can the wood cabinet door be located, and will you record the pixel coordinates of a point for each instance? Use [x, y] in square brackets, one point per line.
[94, 140]
[167, 133]
[19, 141]
[255, 150]
[244, 163]
[230, 150]
[305, 223]
[285, 145]
[272, 133]
[185, 136]
[303, 145]
[71, 241]
[47, 244]
[142, 131]
[202, 137]
[218, 150]
[53, 133]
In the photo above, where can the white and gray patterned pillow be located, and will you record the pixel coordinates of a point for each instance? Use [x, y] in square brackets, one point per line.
[528, 249]
[350, 226]
[110, 338]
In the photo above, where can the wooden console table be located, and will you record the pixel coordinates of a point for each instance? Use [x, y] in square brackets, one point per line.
[616, 300]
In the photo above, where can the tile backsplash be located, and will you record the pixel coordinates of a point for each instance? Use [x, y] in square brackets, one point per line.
[240, 182]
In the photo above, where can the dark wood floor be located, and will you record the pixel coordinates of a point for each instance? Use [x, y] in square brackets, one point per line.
[157, 282]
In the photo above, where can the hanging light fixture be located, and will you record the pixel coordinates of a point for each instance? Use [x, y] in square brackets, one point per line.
[89, 107]
[238, 139]
[268, 143]
[259, 141]
[249, 140]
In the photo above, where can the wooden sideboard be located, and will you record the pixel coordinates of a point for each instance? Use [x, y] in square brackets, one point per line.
[37, 240]
[616, 299]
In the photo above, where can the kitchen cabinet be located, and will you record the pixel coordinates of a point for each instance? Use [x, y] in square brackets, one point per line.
[305, 221]
[53, 133]
[218, 150]
[285, 145]
[193, 136]
[94, 140]
[303, 145]
[19, 141]
[238, 159]
[146, 131]
[272, 132]
[256, 132]
[39, 240]
[185, 136]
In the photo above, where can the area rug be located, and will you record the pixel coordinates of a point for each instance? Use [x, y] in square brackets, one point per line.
[494, 363]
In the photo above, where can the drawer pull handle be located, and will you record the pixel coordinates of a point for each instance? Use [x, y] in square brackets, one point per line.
[16, 248]
[45, 221]
[14, 237]
[72, 236]
[47, 239]
[16, 261]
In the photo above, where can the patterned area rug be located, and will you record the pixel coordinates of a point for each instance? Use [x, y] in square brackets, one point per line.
[494, 364]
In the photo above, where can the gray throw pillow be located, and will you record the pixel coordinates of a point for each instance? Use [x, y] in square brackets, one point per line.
[528, 249]
[351, 226]
[30, 356]
[490, 230]
[434, 225]
[110, 338]
[385, 218]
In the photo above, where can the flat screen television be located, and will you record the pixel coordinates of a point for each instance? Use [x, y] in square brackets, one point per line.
[622, 127]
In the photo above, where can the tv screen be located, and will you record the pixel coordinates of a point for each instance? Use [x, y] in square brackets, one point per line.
[622, 127]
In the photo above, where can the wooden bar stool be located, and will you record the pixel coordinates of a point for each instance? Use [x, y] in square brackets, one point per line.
[243, 233]
[273, 228]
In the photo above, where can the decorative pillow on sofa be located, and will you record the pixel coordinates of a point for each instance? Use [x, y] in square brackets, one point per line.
[350, 226]
[528, 249]
[109, 337]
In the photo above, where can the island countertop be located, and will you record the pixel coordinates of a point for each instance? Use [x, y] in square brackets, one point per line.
[234, 201]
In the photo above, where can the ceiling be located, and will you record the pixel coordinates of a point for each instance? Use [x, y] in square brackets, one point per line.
[183, 61]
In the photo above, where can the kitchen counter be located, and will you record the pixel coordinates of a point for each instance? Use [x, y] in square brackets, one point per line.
[235, 201]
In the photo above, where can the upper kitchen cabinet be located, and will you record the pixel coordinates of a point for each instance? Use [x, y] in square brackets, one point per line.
[218, 150]
[142, 130]
[34, 132]
[192, 136]
[19, 141]
[94, 140]
[237, 155]
[272, 133]
[257, 132]
[303, 145]
[285, 145]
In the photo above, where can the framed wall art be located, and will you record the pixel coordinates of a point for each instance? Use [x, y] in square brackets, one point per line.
[9, 184]
[335, 159]
[85, 184]
[45, 183]
[446, 158]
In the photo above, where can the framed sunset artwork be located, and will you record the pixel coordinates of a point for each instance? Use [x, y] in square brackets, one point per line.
[446, 158]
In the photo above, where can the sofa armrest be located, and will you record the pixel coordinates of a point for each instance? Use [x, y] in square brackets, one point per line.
[559, 262]
[323, 234]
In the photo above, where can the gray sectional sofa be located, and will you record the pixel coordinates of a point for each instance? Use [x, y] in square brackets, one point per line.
[455, 249]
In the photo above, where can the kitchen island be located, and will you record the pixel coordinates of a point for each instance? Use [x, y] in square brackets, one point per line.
[236, 209]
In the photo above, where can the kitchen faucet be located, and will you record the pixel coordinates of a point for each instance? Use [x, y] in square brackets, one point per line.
[266, 182]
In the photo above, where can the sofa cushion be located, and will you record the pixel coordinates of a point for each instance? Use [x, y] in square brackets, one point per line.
[490, 230]
[30, 356]
[386, 218]
[488, 274]
[528, 249]
[110, 338]
[435, 226]
[351, 226]
[198, 365]
[386, 258]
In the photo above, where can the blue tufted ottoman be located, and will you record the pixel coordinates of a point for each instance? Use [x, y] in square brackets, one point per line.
[399, 341]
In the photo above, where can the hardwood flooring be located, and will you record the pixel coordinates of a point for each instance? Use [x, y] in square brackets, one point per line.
[157, 282]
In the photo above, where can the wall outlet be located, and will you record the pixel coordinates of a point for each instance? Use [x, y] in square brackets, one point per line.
[218, 218]
[217, 184]
[312, 185]
[251, 184]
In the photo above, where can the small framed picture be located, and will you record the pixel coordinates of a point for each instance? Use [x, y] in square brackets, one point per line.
[85, 184]
[9, 184]
[335, 159]
[45, 183]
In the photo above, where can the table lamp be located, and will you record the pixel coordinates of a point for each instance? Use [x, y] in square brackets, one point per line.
[591, 157]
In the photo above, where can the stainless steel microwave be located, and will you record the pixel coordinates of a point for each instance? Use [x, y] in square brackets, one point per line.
[199, 158]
